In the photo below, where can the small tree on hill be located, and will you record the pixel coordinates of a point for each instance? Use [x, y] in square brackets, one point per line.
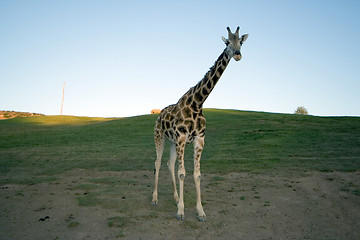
[301, 110]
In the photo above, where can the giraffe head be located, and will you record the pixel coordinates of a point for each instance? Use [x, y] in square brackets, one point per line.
[234, 43]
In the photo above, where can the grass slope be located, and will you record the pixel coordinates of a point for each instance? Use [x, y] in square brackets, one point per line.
[34, 149]
[14, 114]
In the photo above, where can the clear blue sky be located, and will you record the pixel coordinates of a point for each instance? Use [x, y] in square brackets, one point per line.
[124, 58]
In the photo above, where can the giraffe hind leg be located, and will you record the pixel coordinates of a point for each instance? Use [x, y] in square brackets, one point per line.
[159, 144]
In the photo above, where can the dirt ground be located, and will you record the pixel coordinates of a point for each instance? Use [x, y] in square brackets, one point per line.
[309, 205]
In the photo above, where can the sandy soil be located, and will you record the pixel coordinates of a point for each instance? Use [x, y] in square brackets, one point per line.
[309, 205]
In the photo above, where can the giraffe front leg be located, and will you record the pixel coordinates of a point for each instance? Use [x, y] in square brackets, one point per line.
[181, 175]
[198, 147]
[171, 165]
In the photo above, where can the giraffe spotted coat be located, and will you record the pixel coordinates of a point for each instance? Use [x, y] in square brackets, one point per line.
[184, 123]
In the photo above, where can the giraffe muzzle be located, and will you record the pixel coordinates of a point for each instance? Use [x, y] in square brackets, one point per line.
[237, 56]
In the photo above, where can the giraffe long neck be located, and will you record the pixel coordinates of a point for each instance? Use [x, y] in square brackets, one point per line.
[197, 95]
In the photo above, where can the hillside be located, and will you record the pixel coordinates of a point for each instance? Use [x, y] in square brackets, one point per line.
[264, 176]
[14, 114]
[235, 141]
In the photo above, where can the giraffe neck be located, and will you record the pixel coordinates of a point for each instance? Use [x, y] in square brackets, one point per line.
[196, 96]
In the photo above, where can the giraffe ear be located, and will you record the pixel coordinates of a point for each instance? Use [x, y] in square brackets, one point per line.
[243, 38]
[225, 41]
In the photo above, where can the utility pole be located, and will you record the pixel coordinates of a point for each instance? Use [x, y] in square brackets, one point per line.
[62, 102]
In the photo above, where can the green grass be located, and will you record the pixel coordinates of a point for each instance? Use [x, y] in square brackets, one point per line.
[73, 224]
[118, 221]
[252, 141]
[35, 149]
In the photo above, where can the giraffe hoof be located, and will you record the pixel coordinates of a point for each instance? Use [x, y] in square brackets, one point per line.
[180, 217]
[202, 218]
[154, 203]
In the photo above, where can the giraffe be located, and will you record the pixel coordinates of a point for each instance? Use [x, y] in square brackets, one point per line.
[183, 123]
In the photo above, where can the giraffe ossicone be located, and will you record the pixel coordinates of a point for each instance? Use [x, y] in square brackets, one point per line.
[184, 123]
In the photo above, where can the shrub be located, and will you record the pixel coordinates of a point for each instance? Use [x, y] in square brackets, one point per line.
[301, 110]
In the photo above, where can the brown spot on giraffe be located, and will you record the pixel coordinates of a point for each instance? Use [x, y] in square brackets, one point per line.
[186, 112]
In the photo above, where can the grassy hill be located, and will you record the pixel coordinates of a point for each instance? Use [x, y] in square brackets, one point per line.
[34, 149]
[14, 114]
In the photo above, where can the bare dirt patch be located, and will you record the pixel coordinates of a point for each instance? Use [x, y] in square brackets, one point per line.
[86, 204]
